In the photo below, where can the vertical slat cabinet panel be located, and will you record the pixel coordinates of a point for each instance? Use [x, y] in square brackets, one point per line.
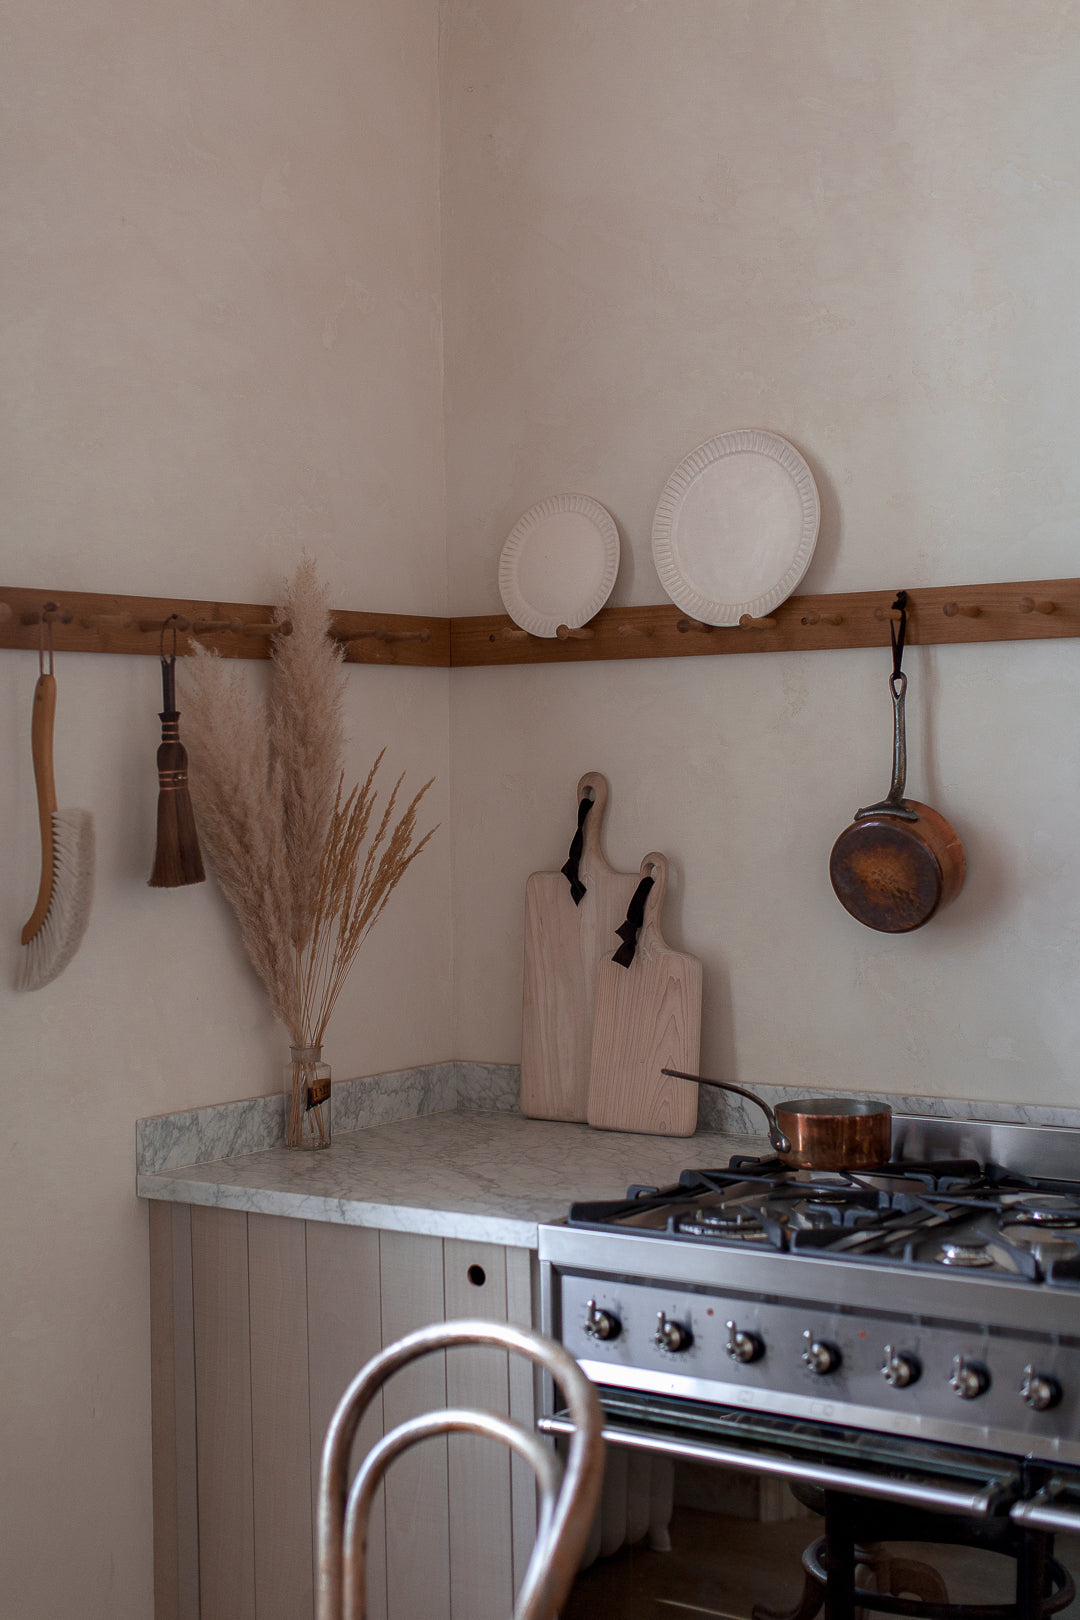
[344, 1332]
[523, 1309]
[280, 1418]
[172, 1402]
[223, 1385]
[417, 1511]
[481, 1563]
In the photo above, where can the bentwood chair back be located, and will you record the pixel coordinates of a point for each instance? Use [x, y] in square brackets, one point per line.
[567, 1499]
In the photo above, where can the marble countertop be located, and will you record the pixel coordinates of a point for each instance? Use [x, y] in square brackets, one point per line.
[490, 1177]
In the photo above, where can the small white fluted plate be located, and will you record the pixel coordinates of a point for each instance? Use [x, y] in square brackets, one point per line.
[559, 564]
[736, 526]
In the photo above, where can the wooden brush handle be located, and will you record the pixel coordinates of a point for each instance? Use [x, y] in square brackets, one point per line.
[41, 744]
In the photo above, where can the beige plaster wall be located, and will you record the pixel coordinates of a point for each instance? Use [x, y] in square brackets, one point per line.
[221, 344]
[857, 226]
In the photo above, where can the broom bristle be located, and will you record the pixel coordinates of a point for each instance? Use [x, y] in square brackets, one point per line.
[47, 953]
[177, 859]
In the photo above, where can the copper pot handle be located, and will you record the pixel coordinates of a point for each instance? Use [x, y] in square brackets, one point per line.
[778, 1141]
[894, 803]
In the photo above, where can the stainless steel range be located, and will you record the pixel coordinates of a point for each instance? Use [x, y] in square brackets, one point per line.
[910, 1334]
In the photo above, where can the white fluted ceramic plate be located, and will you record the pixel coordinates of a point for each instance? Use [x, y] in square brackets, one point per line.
[559, 564]
[736, 526]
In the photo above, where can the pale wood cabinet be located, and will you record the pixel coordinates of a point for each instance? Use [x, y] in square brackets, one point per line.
[258, 1323]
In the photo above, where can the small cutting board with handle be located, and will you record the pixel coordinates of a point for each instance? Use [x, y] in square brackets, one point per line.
[565, 942]
[648, 1018]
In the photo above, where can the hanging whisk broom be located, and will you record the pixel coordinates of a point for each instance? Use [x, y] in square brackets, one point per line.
[177, 859]
[58, 923]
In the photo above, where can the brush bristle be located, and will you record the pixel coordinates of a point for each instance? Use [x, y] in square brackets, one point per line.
[48, 953]
[177, 860]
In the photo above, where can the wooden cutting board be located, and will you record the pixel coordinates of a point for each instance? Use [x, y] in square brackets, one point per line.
[564, 945]
[648, 1018]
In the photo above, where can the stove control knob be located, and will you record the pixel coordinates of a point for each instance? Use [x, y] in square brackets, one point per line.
[900, 1369]
[743, 1346]
[671, 1335]
[820, 1356]
[969, 1378]
[601, 1324]
[1039, 1390]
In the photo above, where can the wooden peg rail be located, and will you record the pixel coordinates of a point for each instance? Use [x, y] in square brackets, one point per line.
[1027, 611]
[86, 622]
[80, 621]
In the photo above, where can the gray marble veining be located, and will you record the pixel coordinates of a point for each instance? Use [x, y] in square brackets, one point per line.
[488, 1176]
[226, 1130]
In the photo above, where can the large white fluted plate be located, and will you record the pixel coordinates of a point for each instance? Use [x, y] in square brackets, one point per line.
[559, 564]
[736, 526]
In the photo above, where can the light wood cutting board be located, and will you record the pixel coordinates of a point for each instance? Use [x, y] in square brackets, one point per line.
[648, 1018]
[564, 945]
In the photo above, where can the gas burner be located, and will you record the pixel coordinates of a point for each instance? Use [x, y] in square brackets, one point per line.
[1048, 1210]
[741, 1225]
[1045, 1244]
[965, 1254]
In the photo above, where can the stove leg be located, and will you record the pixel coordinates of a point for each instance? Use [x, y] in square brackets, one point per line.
[839, 1559]
[1032, 1573]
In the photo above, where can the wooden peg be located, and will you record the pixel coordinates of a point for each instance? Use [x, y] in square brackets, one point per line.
[209, 627]
[378, 634]
[513, 632]
[106, 621]
[1028, 604]
[888, 613]
[565, 633]
[282, 629]
[5, 611]
[49, 614]
[684, 625]
[628, 629]
[969, 610]
[175, 621]
[407, 635]
[814, 617]
[748, 622]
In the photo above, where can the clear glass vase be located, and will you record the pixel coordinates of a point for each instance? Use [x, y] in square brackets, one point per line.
[307, 1099]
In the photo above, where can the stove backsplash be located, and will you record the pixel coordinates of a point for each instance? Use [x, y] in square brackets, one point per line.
[722, 1111]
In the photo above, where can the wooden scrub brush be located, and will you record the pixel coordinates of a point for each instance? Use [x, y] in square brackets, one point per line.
[58, 922]
[177, 859]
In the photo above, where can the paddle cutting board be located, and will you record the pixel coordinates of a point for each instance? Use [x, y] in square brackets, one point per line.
[564, 945]
[648, 1018]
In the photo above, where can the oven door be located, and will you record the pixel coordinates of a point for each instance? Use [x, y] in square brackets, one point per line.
[882, 1467]
[744, 1545]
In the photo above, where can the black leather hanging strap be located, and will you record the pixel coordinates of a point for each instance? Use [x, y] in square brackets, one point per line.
[898, 635]
[629, 930]
[570, 868]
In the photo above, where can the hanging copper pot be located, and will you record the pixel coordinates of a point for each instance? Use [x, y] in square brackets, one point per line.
[900, 861]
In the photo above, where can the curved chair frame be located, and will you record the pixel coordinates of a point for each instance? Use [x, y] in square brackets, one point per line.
[566, 1513]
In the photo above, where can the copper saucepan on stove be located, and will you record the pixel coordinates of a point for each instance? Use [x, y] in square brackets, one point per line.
[820, 1133]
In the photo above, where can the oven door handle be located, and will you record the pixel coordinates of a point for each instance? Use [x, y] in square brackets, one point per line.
[926, 1493]
[1039, 1512]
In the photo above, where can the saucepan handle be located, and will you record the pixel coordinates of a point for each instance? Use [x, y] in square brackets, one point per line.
[779, 1142]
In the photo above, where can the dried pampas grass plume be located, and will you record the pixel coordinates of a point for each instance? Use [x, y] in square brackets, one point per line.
[293, 853]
